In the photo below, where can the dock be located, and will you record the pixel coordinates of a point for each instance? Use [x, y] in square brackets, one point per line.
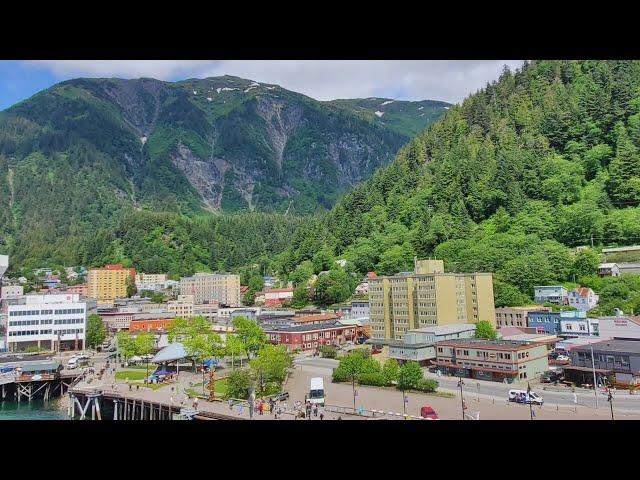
[104, 404]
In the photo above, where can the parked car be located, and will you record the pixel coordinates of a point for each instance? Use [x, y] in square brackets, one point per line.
[520, 396]
[562, 358]
[551, 377]
[428, 412]
[280, 397]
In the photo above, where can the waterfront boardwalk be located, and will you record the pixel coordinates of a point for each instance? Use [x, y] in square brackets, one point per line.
[178, 398]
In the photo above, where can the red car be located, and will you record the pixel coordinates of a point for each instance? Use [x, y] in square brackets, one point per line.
[428, 412]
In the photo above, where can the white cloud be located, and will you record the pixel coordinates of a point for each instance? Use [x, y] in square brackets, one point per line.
[449, 80]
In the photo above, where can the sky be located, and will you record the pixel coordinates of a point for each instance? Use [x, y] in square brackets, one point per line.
[447, 80]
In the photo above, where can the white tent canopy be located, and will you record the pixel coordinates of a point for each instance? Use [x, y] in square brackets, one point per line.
[170, 353]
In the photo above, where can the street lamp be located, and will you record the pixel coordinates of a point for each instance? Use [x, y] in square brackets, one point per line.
[610, 400]
[460, 384]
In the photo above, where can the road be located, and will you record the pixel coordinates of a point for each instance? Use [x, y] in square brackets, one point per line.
[497, 393]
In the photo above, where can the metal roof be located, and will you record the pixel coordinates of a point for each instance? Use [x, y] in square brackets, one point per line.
[446, 329]
[39, 366]
[170, 353]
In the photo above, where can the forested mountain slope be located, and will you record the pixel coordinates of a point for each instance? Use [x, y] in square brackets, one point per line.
[539, 161]
[85, 152]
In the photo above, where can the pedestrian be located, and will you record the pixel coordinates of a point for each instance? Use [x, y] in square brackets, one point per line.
[315, 410]
[321, 416]
[195, 402]
[230, 404]
[129, 386]
[575, 399]
[137, 387]
[171, 399]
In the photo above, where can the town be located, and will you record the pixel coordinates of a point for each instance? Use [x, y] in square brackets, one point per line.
[113, 343]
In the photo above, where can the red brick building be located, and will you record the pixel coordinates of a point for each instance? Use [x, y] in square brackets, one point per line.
[310, 337]
[155, 325]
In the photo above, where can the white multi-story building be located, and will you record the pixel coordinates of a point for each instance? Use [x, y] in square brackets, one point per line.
[151, 281]
[212, 287]
[551, 294]
[47, 321]
[583, 298]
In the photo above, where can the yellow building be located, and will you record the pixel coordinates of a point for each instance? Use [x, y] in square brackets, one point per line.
[428, 297]
[108, 283]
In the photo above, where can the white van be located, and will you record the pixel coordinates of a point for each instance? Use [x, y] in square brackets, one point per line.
[73, 363]
[534, 398]
[316, 391]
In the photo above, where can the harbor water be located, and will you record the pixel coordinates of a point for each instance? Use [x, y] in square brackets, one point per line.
[37, 409]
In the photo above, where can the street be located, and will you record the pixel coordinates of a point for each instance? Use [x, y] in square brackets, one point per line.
[490, 398]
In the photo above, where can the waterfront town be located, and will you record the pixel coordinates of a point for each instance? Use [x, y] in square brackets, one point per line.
[113, 343]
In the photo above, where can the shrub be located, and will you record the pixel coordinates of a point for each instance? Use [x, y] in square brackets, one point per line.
[328, 351]
[376, 379]
[427, 385]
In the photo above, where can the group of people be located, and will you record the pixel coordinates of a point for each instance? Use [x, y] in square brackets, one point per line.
[261, 406]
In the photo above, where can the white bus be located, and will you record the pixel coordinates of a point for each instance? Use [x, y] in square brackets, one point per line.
[316, 391]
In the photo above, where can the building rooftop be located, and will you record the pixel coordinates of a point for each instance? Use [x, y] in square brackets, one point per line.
[623, 265]
[487, 344]
[622, 346]
[583, 291]
[322, 317]
[446, 329]
[305, 328]
[532, 337]
[621, 249]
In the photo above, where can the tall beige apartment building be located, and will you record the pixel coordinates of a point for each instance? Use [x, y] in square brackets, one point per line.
[110, 282]
[211, 287]
[428, 297]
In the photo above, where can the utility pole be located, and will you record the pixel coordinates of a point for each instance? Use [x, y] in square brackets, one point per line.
[593, 366]
[460, 384]
[404, 402]
[353, 385]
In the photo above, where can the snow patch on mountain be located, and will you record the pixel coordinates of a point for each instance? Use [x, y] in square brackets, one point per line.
[378, 113]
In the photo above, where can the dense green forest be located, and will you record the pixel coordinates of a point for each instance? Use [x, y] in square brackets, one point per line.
[542, 160]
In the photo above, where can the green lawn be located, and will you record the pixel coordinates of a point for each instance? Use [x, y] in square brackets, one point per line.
[220, 388]
[132, 375]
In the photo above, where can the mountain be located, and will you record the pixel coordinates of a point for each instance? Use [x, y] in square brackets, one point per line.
[404, 117]
[542, 160]
[87, 151]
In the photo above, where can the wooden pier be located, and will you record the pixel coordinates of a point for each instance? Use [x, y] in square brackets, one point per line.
[99, 404]
[28, 387]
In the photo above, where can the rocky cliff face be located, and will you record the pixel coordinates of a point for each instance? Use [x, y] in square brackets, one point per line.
[222, 144]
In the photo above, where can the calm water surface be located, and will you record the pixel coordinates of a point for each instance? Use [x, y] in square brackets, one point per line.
[36, 410]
